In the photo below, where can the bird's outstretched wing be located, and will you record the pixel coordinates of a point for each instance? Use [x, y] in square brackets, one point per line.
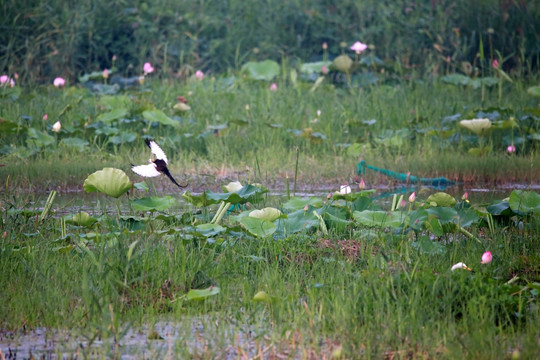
[156, 150]
[145, 170]
[166, 172]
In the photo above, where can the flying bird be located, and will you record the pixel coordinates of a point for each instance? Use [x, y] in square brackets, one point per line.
[156, 166]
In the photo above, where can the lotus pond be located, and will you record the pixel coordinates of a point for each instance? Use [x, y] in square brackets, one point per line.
[279, 248]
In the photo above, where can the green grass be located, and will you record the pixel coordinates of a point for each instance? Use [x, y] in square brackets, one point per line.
[383, 297]
[368, 291]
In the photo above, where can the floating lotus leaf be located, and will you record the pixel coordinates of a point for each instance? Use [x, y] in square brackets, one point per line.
[210, 230]
[297, 203]
[248, 193]
[110, 181]
[39, 138]
[159, 117]
[393, 219]
[268, 213]
[201, 294]
[81, 219]
[155, 203]
[342, 63]
[477, 126]
[264, 70]
[300, 220]
[441, 199]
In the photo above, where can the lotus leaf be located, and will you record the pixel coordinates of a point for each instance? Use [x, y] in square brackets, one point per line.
[268, 213]
[441, 199]
[75, 143]
[477, 126]
[210, 230]
[112, 115]
[379, 218]
[159, 117]
[155, 203]
[81, 219]
[264, 70]
[342, 63]
[258, 227]
[110, 181]
[525, 202]
[201, 294]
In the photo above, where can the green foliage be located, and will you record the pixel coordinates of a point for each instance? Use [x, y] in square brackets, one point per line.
[110, 181]
[55, 38]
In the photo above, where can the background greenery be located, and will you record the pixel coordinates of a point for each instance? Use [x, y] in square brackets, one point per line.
[40, 40]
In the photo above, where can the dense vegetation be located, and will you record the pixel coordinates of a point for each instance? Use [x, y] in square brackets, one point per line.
[40, 40]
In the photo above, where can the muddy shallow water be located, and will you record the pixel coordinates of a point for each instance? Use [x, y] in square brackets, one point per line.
[164, 340]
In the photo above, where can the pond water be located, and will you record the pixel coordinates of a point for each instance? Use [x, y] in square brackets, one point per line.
[73, 202]
[163, 340]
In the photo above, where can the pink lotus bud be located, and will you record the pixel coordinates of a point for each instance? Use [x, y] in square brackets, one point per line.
[199, 74]
[511, 149]
[324, 45]
[306, 208]
[412, 197]
[114, 58]
[45, 117]
[105, 74]
[4, 234]
[344, 189]
[495, 64]
[486, 258]
[319, 112]
[273, 87]
[465, 196]
[324, 70]
[59, 82]
[147, 68]
[362, 184]
[402, 203]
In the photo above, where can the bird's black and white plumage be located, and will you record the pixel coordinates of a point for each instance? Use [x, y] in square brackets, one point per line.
[156, 166]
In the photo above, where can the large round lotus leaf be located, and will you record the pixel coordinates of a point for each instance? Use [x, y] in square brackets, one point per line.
[441, 199]
[110, 181]
[155, 203]
[268, 213]
[477, 126]
[263, 70]
[342, 63]
[525, 202]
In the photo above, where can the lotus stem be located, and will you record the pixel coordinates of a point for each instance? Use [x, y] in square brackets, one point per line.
[48, 205]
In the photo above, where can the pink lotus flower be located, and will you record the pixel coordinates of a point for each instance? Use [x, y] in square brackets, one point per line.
[486, 258]
[59, 82]
[358, 47]
[273, 87]
[465, 196]
[199, 74]
[105, 74]
[495, 64]
[147, 68]
[412, 197]
[6, 80]
[511, 149]
[324, 70]
[45, 117]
